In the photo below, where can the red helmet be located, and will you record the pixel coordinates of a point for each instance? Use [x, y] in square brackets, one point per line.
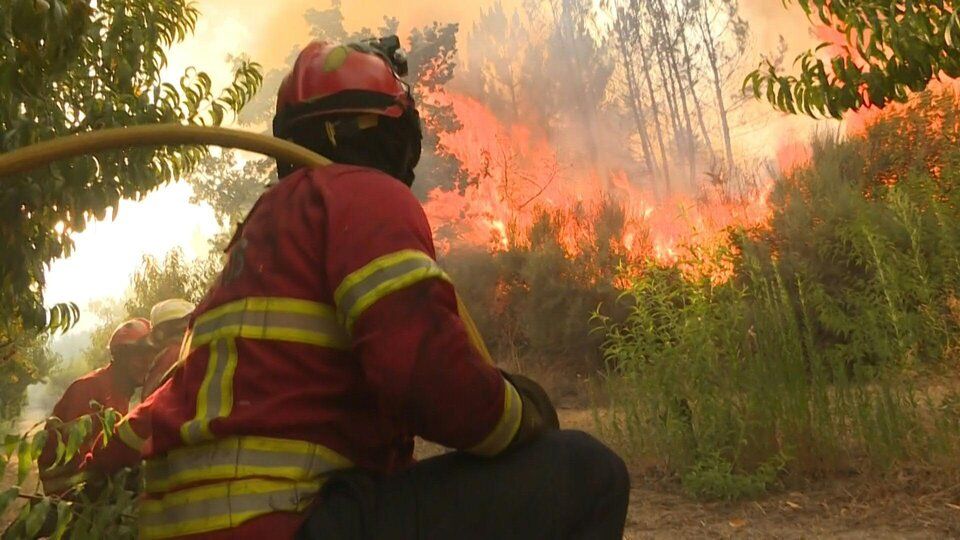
[129, 333]
[358, 78]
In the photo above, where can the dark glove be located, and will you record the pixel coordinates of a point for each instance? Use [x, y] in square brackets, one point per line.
[539, 415]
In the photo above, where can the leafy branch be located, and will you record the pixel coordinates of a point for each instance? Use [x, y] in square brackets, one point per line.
[887, 50]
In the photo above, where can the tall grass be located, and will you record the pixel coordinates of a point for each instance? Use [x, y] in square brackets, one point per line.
[808, 361]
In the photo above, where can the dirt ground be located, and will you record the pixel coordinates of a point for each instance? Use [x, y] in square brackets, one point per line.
[905, 507]
[899, 508]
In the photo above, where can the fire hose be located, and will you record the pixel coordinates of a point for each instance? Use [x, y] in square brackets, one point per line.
[36, 155]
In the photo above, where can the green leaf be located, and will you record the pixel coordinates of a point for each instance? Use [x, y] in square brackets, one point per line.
[64, 519]
[7, 497]
[76, 436]
[61, 448]
[38, 514]
[10, 443]
[24, 461]
[39, 442]
[110, 419]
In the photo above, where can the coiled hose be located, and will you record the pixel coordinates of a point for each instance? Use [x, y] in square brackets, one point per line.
[36, 155]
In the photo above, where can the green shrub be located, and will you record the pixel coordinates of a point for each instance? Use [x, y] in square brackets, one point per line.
[805, 363]
[533, 300]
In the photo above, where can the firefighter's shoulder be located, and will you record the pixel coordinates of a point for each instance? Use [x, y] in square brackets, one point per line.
[75, 400]
[93, 379]
[356, 180]
[366, 193]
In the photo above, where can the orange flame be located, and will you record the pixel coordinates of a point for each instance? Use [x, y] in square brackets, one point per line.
[514, 171]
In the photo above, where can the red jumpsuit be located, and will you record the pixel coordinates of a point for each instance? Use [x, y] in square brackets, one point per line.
[107, 387]
[330, 339]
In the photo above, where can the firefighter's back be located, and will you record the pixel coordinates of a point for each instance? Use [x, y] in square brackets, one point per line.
[268, 399]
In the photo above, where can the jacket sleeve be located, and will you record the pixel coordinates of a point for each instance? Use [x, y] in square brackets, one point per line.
[74, 403]
[417, 345]
[126, 443]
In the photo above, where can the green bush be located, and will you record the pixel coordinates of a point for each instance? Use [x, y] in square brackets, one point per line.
[101, 507]
[874, 233]
[533, 300]
[805, 363]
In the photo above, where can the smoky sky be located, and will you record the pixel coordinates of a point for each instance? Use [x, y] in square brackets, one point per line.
[272, 29]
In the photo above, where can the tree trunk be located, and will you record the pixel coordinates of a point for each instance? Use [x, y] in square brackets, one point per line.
[514, 84]
[655, 107]
[710, 45]
[636, 103]
[687, 124]
[566, 27]
[666, 81]
[693, 92]
[674, 69]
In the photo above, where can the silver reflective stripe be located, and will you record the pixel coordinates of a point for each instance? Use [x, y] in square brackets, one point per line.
[506, 428]
[235, 458]
[130, 437]
[221, 506]
[267, 318]
[264, 325]
[285, 499]
[388, 274]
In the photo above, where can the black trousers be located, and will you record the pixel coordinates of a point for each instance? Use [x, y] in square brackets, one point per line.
[564, 485]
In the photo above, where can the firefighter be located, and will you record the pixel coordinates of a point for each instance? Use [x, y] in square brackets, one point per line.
[169, 323]
[168, 320]
[111, 387]
[332, 338]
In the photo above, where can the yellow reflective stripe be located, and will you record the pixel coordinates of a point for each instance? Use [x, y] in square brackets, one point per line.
[130, 437]
[270, 318]
[226, 381]
[215, 398]
[472, 332]
[238, 457]
[222, 506]
[384, 275]
[506, 428]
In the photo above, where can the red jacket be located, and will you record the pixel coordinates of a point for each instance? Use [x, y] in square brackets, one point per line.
[330, 339]
[105, 386]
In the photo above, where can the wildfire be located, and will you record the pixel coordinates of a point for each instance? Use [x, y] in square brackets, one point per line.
[515, 172]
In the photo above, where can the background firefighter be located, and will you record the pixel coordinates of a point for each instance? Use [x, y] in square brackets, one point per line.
[168, 320]
[111, 387]
[332, 338]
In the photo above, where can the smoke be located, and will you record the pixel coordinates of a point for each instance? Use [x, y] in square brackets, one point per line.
[269, 32]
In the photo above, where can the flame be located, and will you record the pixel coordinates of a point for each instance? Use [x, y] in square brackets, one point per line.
[514, 172]
[793, 155]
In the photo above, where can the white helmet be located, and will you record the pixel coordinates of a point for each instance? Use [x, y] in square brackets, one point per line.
[170, 310]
